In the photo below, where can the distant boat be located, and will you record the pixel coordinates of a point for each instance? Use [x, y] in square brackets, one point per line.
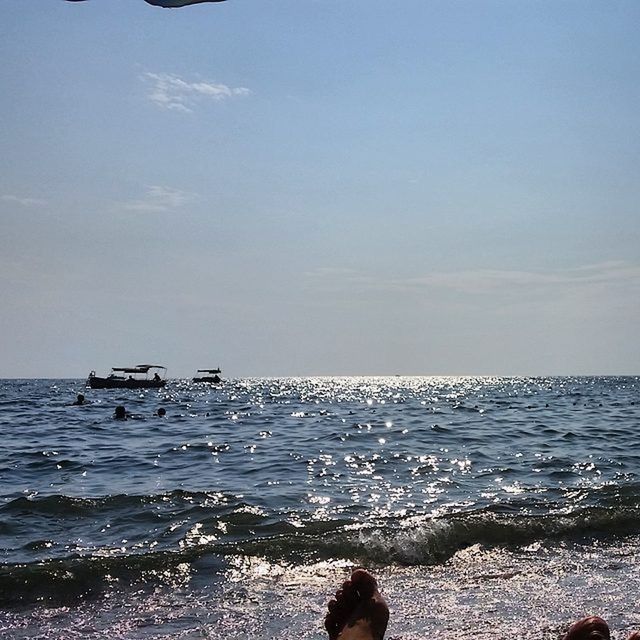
[137, 377]
[212, 376]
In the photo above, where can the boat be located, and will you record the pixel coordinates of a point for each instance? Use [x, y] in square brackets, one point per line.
[138, 377]
[211, 376]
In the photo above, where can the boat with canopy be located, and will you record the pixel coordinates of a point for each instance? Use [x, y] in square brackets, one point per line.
[212, 376]
[142, 376]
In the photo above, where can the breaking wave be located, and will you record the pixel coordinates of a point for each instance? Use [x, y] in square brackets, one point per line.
[414, 540]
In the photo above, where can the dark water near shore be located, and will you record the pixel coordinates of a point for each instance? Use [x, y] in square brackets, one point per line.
[481, 503]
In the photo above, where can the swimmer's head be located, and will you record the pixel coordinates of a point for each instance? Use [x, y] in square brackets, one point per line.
[120, 413]
[162, 412]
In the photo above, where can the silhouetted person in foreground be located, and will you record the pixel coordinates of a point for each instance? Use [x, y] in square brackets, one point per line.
[359, 612]
[592, 628]
[79, 401]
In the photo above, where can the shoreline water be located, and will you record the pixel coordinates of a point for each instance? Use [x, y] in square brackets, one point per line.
[481, 504]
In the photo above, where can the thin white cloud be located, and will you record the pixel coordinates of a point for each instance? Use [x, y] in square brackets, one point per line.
[328, 272]
[482, 281]
[25, 202]
[169, 91]
[158, 198]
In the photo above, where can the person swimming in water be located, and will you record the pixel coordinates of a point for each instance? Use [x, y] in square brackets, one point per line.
[79, 401]
[359, 612]
[120, 413]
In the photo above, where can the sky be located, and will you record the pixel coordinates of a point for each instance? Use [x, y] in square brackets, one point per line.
[320, 187]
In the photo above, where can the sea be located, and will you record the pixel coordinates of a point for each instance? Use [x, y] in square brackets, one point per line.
[487, 507]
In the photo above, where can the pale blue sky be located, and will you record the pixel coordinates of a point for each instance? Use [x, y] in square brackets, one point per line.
[320, 187]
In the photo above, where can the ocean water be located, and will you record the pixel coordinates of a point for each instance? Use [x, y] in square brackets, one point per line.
[486, 507]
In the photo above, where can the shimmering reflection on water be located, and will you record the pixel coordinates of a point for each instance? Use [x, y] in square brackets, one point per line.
[532, 593]
[514, 500]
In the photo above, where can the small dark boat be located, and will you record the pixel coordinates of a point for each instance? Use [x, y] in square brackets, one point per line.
[212, 376]
[137, 377]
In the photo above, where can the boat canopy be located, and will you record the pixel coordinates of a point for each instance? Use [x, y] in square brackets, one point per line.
[209, 370]
[139, 368]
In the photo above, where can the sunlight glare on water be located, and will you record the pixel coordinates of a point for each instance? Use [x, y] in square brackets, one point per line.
[480, 503]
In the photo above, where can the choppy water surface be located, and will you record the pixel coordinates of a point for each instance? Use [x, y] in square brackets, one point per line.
[481, 503]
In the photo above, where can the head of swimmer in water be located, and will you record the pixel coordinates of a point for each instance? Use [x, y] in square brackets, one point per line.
[120, 413]
[161, 412]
